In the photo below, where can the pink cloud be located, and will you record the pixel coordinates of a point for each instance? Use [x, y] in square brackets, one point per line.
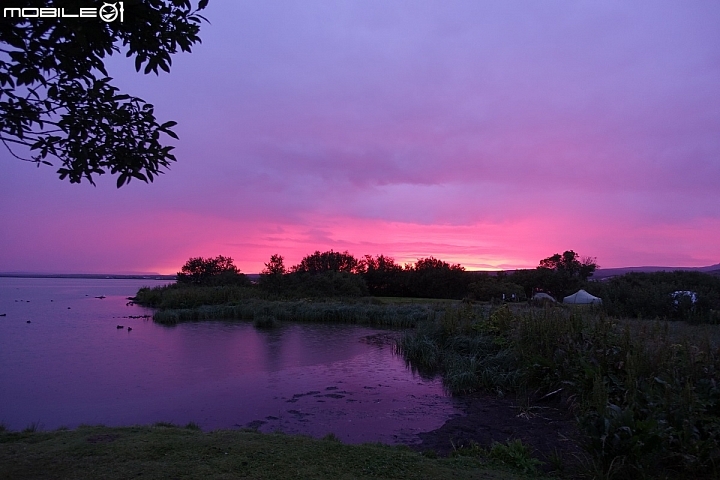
[490, 134]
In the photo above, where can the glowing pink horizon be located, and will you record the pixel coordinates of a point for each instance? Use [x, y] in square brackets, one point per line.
[490, 134]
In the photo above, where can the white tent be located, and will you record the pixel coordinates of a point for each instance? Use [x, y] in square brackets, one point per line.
[581, 297]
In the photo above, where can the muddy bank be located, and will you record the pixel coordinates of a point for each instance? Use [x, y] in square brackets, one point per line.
[547, 427]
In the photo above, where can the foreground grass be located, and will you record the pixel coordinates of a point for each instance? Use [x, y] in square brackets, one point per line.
[174, 452]
[424, 301]
[646, 393]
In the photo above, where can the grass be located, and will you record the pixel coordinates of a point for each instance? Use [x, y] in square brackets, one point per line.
[424, 301]
[179, 296]
[646, 393]
[175, 452]
[33, 427]
[513, 453]
[397, 316]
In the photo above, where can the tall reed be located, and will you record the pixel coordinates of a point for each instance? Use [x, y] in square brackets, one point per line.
[397, 316]
[646, 393]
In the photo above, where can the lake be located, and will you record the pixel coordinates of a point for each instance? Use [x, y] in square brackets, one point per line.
[72, 365]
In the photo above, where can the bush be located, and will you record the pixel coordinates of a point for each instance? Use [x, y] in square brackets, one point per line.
[220, 270]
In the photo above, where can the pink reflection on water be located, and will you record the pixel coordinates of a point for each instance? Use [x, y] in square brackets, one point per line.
[73, 365]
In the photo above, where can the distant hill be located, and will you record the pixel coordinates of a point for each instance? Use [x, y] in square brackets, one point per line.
[254, 277]
[614, 272]
[149, 276]
[600, 273]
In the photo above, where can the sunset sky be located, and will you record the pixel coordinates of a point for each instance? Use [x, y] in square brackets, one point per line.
[486, 133]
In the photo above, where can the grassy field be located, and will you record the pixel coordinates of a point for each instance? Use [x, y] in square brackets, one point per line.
[423, 301]
[165, 451]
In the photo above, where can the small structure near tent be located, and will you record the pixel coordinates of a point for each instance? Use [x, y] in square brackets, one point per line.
[541, 298]
[581, 297]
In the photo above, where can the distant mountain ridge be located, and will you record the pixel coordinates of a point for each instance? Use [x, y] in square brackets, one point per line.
[147, 276]
[601, 273]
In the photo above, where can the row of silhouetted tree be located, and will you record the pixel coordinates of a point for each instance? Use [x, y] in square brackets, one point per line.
[334, 273]
[340, 274]
[331, 273]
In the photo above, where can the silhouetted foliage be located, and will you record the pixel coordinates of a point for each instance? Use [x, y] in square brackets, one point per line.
[272, 278]
[433, 278]
[330, 261]
[568, 264]
[276, 266]
[384, 277]
[324, 284]
[211, 271]
[327, 274]
[488, 287]
[56, 97]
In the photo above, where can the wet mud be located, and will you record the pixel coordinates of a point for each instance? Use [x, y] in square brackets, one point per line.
[549, 428]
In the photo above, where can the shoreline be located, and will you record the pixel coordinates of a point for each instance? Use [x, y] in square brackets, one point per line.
[548, 428]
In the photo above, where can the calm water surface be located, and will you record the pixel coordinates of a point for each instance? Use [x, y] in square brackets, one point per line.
[71, 365]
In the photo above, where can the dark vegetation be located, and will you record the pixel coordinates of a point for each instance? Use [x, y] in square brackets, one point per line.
[211, 272]
[335, 274]
[331, 311]
[644, 389]
[650, 295]
[645, 393]
[168, 451]
[58, 102]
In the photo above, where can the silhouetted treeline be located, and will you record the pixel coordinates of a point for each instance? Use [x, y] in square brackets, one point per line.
[328, 274]
[340, 274]
[332, 274]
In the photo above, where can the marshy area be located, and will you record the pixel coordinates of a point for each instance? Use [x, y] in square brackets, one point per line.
[616, 397]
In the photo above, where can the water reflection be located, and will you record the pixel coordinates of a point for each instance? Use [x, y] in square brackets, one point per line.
[71, 365]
